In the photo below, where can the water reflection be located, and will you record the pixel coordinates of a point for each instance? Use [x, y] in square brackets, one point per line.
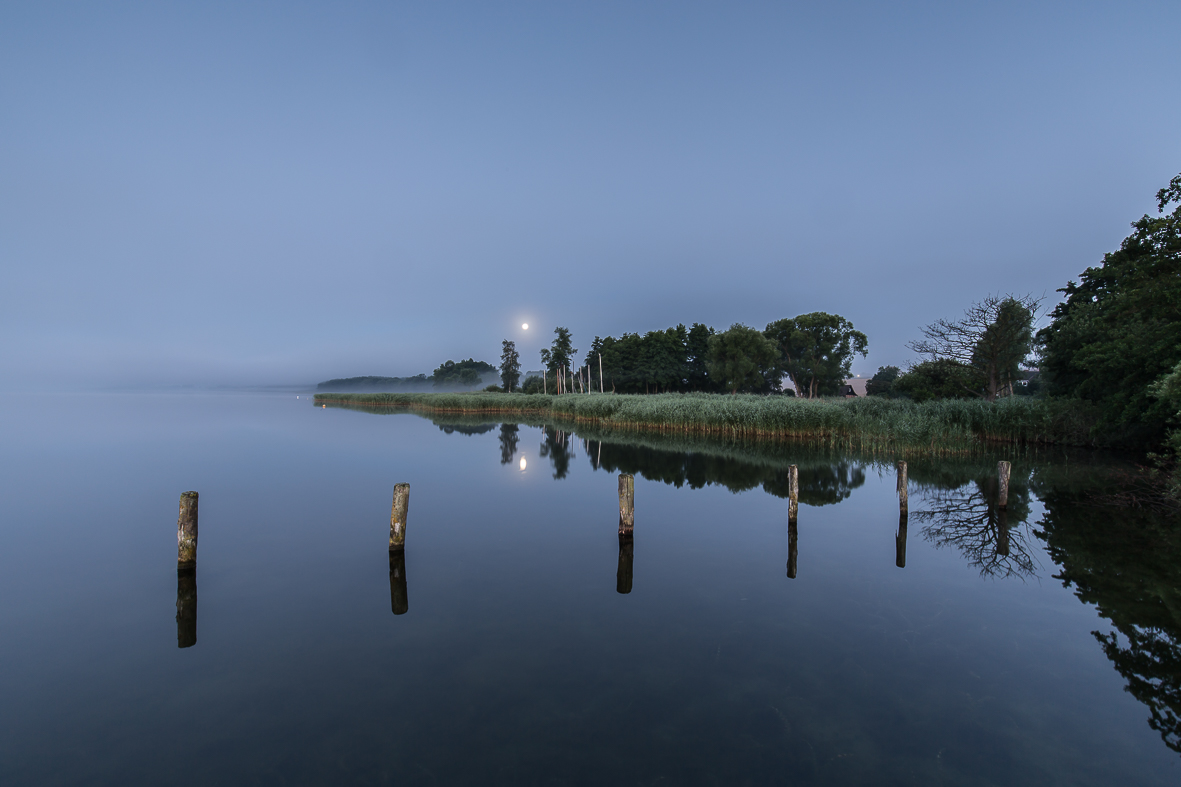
[558, 447]
[993, 540]
[186, 607]
[623, 575]
[399, 602]
[793, 535]
[1127, 562]
[900, 541]
[509, 437]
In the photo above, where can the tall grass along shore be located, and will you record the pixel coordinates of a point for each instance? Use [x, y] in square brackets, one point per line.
[870, 423]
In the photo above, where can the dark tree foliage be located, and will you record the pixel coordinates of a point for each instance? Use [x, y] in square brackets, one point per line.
[509, 437]
[465, 374]
[816, 351]
[696, 350]
[1127, 562]
[657, 362]
[821, 483]
[557, 448]
[742, 359]
[882, 383]
[510, 366]
[942, 379]
[992, 341]
[1119, 328]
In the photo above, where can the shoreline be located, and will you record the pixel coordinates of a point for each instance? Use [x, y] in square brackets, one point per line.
[867, 423]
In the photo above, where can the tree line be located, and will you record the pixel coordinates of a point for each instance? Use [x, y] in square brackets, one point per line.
[1113, 343]
[815, 351]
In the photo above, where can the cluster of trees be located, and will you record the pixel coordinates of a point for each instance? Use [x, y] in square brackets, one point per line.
[814, 350]
[981, 355]
[465, 374]
[1116, 339]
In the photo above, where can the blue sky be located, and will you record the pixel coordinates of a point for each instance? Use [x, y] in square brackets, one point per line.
[270, 193]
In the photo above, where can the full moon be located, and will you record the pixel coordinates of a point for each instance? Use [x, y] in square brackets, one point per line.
[524, 326]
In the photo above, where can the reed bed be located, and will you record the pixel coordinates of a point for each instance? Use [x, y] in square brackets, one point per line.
[869, 423]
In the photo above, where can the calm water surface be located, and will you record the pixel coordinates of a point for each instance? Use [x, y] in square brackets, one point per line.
[1042, 649]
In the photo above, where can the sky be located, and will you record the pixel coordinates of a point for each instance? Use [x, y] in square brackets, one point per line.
[256, 193]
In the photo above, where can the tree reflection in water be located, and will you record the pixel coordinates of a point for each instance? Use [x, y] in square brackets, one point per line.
[509, 437]
[556, 446]
[1127, 562]
[993, 540]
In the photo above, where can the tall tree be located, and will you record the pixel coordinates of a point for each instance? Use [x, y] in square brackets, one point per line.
[510, 366]
[741, 359]
[992, 340]
[559, 357]
[696, 350]
[816, 350]
[1119, 329]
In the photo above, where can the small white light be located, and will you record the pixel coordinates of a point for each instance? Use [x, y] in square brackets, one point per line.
[524, 326]
[522, 463]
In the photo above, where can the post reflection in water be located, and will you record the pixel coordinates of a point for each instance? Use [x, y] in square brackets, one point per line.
[399, 601]
[186, 607]
[623, 575]
[970, 519]
[900, 541]
[792, 548]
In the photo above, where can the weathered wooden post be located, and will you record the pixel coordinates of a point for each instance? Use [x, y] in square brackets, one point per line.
[399, 601]
[1002, 474]
[623, 575]
[792, 548]
[186, 532]
[900, 541]
[793, 493]
[186, 607]
[903, 493]
[627, 503]
[398, 517]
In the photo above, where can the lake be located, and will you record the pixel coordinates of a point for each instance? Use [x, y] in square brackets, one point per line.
[1038, 645]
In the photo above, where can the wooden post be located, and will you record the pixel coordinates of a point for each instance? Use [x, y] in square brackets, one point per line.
[186, 532]
[601, 373]
[1002, 473]
[903, 493]
[627, 503]
[398, 599]
[623, 575]
[792, 548]
[398, 517]
[186, 607]
[900, 541]
[793, 493]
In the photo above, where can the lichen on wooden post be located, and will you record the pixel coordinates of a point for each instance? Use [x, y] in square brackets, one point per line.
[903, 492]
[399, 602]
[186, 532]
[627, 503]
[398, 517]
[623, 575]
[1002, 474]
[793, 536]
[186, 607]
[793, 493]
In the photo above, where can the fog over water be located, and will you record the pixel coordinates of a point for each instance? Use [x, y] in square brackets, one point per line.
[219, 194]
